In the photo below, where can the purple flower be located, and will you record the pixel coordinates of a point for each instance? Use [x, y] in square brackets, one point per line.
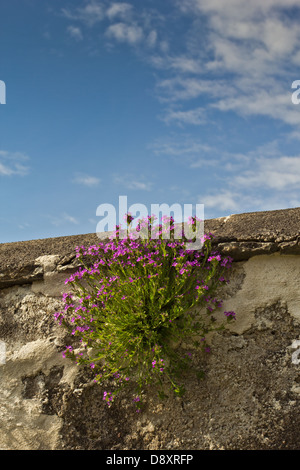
[230, 314]
[122, 269]
[69, 348]
[217, 257]
[128, 218]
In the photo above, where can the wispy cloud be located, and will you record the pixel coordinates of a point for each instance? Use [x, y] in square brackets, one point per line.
[122, 10]
[271, 101]
[238, 10]
[246, 63]
[186, 151]
[62, 219]
[152, 38]
[263, 169]
[11, 163]
[279, 173]
[70, 218]
[223, 200]
[184, 64]
[86, 180]
[220, 203]
[243, 61]
[132, 183]
[139, 185]
[123, 32]
[182, 88]
[262, 179]
[75, 32]
[226, 202]
[121, 22]
[90, 14]
[24, 226]
[193, 116]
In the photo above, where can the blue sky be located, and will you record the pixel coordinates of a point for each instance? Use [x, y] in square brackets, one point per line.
[174, 102]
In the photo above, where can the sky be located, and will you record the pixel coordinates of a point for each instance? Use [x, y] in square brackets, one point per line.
[162, 102]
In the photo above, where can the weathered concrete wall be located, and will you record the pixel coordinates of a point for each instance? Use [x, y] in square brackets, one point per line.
[249, 398]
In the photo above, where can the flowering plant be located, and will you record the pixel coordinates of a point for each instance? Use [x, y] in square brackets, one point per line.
[133, 302]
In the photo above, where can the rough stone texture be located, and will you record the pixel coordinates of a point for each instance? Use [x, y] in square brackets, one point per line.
[240, 236]
[249, 398]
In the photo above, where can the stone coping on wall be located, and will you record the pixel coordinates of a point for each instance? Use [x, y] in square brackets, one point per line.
[240, 236]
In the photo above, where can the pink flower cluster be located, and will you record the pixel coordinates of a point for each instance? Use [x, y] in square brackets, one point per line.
[137, 291]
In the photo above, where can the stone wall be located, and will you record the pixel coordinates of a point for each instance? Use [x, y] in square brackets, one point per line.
[249, 398]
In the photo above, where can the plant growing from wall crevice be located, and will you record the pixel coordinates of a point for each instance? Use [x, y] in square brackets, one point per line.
[135, 300]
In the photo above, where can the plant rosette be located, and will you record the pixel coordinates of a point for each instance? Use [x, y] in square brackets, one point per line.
[133, 303]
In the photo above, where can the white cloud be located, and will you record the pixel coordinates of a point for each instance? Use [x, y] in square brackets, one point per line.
[265, 169]
[164, 46]
[23, 226]
[5, 170]
[240, 61]
[265, 102]
[263, 179]
[204, 162]
[193, 116]
[279, 173]
[186, 151]
[75, 32]
[182, 89]
[237, 9]
[237, 54]
[152, 38]
[70, 218]
[280, 38]
[123, 32]
[62, 219]
[119, 9]
[247, 95]
[180, 147]
[86, 180]
[182, 64]
[13, 155]
[185, 64]
[238, 201]
[11, 163]
[126, 24]
[139, 185]
[132, 183]
[91, 14]
[223, 200]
